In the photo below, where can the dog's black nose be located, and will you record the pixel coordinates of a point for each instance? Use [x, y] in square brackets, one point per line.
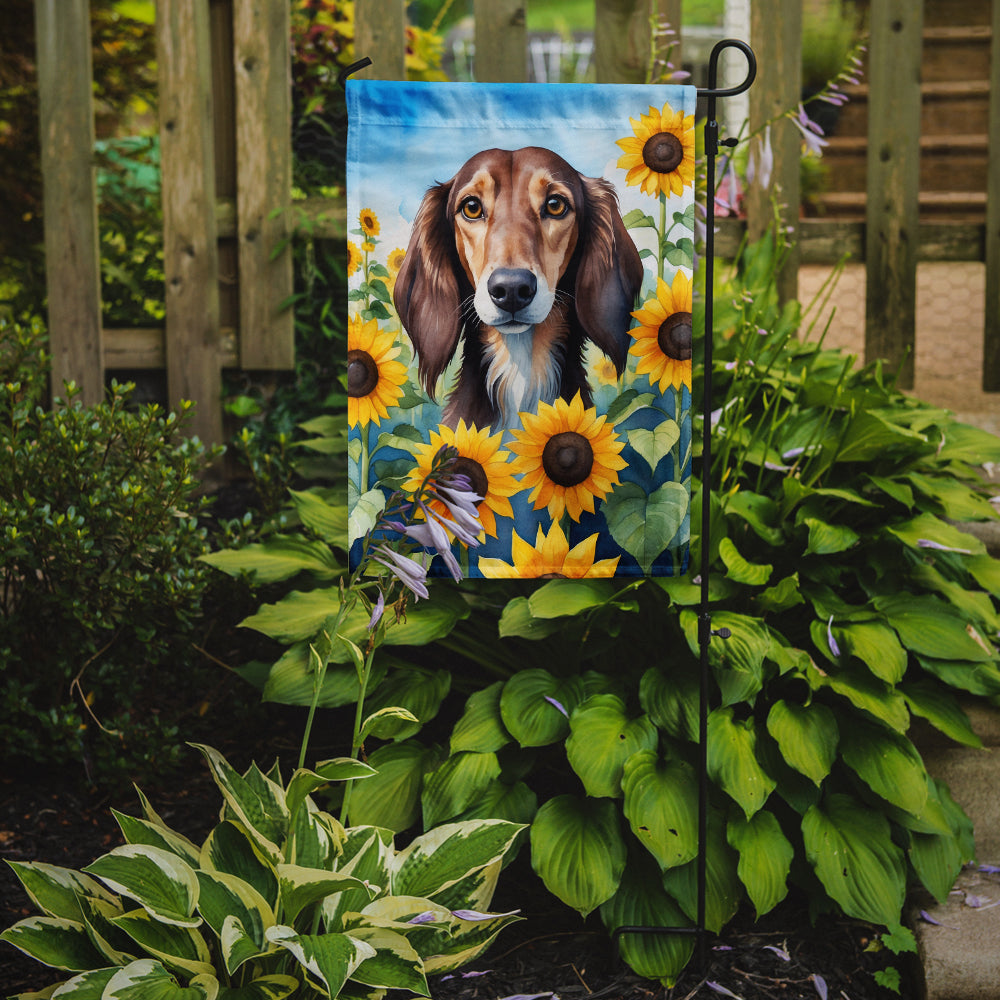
[511, 288]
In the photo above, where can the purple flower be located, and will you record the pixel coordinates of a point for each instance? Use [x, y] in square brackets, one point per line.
[377, 611]
[409, 572]
[831, 642]
[427, 917]
[780, 952]
[927, 543]
[431, 535]
[760, 164]
[811, 132]
[475, 915]
[464, 524]
[558, 705]
[719, 988]
[820, 983]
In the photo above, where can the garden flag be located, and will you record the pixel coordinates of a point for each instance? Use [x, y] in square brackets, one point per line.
[520, 263]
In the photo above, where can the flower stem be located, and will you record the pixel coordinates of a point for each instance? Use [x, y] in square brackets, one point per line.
[356, 737]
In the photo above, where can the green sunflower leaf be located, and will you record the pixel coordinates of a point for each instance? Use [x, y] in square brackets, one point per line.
[645, 525]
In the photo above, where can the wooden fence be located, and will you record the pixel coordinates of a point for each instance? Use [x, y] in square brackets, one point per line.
[226, 161]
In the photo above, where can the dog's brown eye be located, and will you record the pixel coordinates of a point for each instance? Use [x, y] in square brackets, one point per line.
[556, 206]
[472, 208]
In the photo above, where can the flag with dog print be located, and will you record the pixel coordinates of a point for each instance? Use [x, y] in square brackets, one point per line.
[520, 263]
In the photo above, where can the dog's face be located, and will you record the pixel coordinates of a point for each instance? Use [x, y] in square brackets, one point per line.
[516, 216]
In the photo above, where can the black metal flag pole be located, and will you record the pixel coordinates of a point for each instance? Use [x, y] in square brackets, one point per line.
[705, 631]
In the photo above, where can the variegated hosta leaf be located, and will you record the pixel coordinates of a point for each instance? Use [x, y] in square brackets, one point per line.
[732, 760]
[230, 849]
[765, 858]
[888, 763]
[301, 887]
[807, 736]
[367, 853]
[578, 851]
[141, 831]
[441, 857]
[535, 706]
[315, 838]
[54, 941]
[177, 947]
[642, 902]
[158, 880]
[116, 947]
[476, 890]
[467, 940]
[86, 986]
[275, 987]
[456, 784]
[602, 737]
[661, 799]
[328, 959]
[481, 727]
[149, 980]
[56, 891]
[723, 889]
[256, 801]
[304, 782]
[225, 897]
[395, 964]
[850, 847]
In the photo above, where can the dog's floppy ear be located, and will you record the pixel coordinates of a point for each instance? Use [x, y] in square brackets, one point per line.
[609, 272]
[427, 294]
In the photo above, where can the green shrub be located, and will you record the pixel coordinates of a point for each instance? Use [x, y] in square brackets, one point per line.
[854, 604]
[101, 584]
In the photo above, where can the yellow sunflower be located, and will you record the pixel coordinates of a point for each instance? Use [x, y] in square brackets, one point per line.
[659, 158]
[354, 258]
[663, 340]
[369, 222]
[395, 261]
[568, 456]
[481, 459]
[367, 246]
[550, 556]
[605, 372]
[374, 379]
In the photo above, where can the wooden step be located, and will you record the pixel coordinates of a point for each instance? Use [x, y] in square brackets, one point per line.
[958, 206]
[939, 13]
[956, 53]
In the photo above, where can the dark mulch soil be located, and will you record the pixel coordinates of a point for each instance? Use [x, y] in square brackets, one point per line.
[551, 952]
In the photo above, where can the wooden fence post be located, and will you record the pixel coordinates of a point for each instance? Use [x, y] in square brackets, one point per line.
[776, 34]
[991, 331]
[893, 183]
[190, 251]
[72, 255]
[262, 61]
[501, 41]
[380, 34]
[622, 40]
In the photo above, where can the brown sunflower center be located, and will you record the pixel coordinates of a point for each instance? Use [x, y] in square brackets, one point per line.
[674, 337]
[362, 373]
[663, 152]
[474, 472]
[553, 576]
[567, 458]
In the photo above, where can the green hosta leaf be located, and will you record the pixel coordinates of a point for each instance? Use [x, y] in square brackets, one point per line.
[279, 558]
[850, 847]
[660, 805]
[56, 891]
[738, 569]
[516, 803]
[865, 692]
[327, 520]
[528, 710]
[275, 987]
[928, 528]
[937, 859]
[438, 859]
[481, 728]
[230, 849]
[395, 964]
[783, 595]
[732, 760]
[888, 763]
[54, 941]
[560, 598]
[602, 738]
[876, 646]
[226, 898]
[976, 678]
[364, 514]
[385, 723]
[180, 948]
[330, 959]
[931, 628]
[723, 889]
[159, 881]
[760, 512]
[652, 445]
[147, 979]
[260, 809]
[936, 704]
[142, 831]
[670, 698]
[417, 690]
[391, 798]
[738, 662]
[517, 620]
[301, 887]
[985, 570]
[957, 501]
[456, 784]
[292, 681]
[578, 851]
[645, 525]
[641, 901]
[807, 736]
[828, 539]
[870, 436]
[765, 858]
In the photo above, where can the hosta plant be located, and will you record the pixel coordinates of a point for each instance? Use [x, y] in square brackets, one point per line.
[279, 900]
